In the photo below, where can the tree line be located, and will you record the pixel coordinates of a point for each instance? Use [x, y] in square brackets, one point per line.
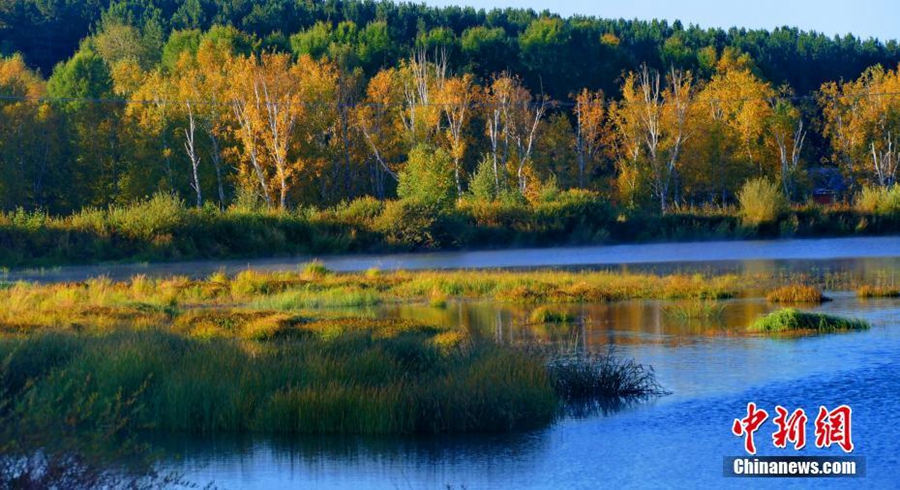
[500, 105]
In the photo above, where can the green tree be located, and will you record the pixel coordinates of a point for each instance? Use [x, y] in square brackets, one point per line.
[482, 186]
[427, 177]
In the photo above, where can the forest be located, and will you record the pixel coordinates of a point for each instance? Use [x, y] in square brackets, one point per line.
[401, 112]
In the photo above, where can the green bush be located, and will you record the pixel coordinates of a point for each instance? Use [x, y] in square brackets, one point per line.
[879, 201]
[761, 202]
[483, 185]
[361, 211]
[407, 223]
[427, 178]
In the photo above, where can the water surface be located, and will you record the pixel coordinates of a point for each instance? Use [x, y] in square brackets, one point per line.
[858, 253]
[675, 441]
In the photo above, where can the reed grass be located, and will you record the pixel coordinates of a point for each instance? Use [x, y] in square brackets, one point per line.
[250, 370]
[796, 293]
[72, 304]
[327, 379]
[585, 376]
[869, 291]
[695, 309]
[545, 314]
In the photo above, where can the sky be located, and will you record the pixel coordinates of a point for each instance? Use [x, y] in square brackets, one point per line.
[863, 18]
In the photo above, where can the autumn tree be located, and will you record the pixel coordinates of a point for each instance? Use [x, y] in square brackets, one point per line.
[270, 96]
[378, 120]
[862, 122]
[456, 97]
[421, 83]
[152, 123]
[656, 115]
[788, 133]
[27, 143]
[737, 98]
[513, 117]
[590, 114]
[625, 148]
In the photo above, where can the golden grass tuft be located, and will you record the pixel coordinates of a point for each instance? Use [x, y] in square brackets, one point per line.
[796, 293]
[869, 291]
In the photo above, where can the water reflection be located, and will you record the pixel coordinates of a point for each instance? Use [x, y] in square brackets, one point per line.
[595, 325]
[346, 462]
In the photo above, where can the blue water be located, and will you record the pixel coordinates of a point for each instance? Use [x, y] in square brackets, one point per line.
[677, 441]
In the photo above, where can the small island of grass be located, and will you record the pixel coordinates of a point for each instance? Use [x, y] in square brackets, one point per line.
[790, 320]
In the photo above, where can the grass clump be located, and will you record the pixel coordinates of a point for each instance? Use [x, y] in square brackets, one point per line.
[218, 370]
[437, 299]
[796, 293]
[761, 202]
[790, 320]
[550, 315]
[868, 291]
[696, 309]
[582, 376]
[315, 269]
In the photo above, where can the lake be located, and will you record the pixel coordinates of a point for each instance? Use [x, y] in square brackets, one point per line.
[673, 441]
[680, 440]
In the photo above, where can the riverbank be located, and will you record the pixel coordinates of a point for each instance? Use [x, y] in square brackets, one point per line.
[164, 229]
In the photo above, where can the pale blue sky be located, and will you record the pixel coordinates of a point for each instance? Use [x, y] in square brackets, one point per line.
[864, 18]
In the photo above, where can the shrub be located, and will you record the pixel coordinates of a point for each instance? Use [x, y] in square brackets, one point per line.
[483, 185]
[761, 202]
[160, 215]
[362, 211]
[407, 224]
[427, 178]
[879, 201]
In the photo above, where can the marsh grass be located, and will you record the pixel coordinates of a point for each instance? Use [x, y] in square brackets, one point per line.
[789, 320]
[329, 376]
[546, 314]
[437, 299]
[225, 369]
[298, 299]
[796, 293]
[695, 309]
[109, 303]
[315, 269]
[869, 291]
[590, 376]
